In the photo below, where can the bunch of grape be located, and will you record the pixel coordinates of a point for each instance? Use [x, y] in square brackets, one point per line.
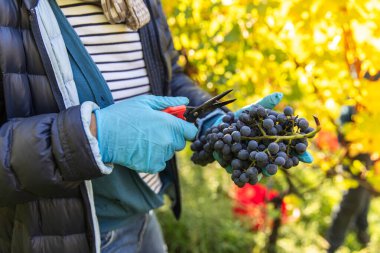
[259, 141]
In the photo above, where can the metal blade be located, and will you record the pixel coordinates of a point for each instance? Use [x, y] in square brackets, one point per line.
[220, 104]
[209, 102]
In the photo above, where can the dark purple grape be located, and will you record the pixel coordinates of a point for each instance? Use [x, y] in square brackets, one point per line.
[261, 147]
[236, 164]
[282, 146]
[271, 169]
[309, 130]
[239, 183]
[280, 161]
[282, 154]
[223, 126]
[272, 131]
[245, 131]
[207, 147]
[220, 135]
[261, 164]
[252, 155]
[288, 111]
[261, 157]
[278, 128]
[227, 139]
[232, 128]
[226, 131]
[215, 130]
[213, 136]
[236, 136]
[244, 117]
[268, 124]
[300, 148]
[236, 173]
[246, 164]
[281, 118]
[295, 160]
[252, 145]
[226, 149]
[243, 155]
[252, 172]
[253, 112]
[274, 113]
[244, 178]
[288, 164]
[261, 111]
[196, 145]
[239, 124]
[272, 117]
[273, 148]
[304, 141]
[227, 118]
[195, 157]
[219, 145]
[236, 147]
[203, 155]
[253, 181]
[303, 124]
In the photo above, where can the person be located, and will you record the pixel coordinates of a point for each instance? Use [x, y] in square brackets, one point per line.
[354, 207]
[86, 153]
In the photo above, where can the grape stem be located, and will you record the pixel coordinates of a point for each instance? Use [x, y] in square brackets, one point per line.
[261, 130]
[287, 137]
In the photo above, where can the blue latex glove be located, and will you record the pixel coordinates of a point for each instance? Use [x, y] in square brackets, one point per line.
[136, 134]
[268, 102]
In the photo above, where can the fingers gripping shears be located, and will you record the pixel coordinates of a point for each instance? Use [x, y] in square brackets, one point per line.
[191, 113]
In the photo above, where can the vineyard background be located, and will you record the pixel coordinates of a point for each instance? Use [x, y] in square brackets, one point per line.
[322, 55]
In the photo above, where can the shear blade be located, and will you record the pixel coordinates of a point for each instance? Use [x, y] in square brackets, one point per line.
[212, 104]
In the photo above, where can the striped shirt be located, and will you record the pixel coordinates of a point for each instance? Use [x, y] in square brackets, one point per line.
[117, 52]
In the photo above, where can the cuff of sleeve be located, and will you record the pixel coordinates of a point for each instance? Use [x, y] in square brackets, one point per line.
[210, 120]
[87, 108]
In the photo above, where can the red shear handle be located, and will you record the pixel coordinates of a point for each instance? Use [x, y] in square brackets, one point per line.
[177, 111]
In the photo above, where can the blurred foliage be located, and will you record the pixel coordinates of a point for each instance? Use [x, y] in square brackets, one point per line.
[322, 55]
[208, 224]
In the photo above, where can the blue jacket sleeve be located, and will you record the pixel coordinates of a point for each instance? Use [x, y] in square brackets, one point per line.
[47, 155]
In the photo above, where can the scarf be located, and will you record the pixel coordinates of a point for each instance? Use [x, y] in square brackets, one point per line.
[133, 12]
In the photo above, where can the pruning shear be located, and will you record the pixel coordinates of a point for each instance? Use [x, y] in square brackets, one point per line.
[191, 113]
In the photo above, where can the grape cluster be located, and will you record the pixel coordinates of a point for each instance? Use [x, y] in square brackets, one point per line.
[258, 141]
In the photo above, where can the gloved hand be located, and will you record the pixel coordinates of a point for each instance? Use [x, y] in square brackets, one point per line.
[268, 102]
[136, 134]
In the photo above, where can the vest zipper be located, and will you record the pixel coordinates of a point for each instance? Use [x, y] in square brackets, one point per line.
[45, 59]
[156, 53]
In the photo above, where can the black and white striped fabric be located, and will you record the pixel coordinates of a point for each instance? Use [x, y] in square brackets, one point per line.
[115, 48]
[117, 52]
